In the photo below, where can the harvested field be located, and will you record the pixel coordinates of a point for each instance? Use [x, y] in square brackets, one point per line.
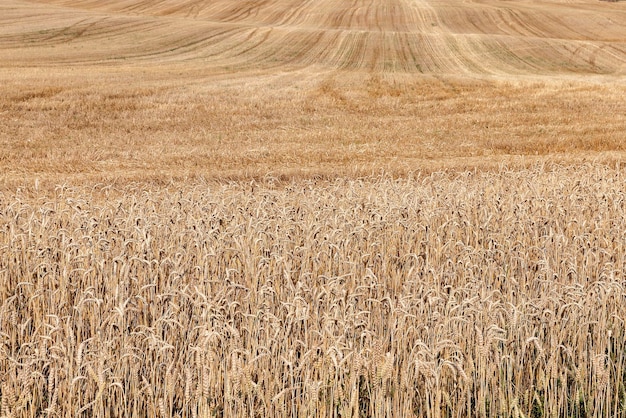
[428, 36]
[124, 90]
[319, 127]
[312, 208]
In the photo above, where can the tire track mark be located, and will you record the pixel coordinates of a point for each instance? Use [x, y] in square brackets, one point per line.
[294, 14]
[213, 46]
[248, 9]
[468, 37]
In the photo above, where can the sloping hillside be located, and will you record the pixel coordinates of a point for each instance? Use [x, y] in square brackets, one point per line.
[129, 89]
[429, 36]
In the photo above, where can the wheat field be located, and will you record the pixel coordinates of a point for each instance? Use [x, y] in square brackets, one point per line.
[329, 208]
[449, 294]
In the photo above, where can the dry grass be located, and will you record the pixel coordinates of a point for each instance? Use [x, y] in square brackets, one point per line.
[467, 294]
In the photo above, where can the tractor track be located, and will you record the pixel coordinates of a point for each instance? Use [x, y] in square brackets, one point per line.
[471, 37]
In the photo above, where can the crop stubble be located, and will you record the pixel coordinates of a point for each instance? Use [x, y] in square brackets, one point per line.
[131, 89]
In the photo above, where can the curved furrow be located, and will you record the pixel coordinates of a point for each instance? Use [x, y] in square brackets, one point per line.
[141, 7]
[520, 56]
[372, 19]
[429, 50]
[67, 33]
[459, 56]
[213, 44]
[471, 37]
[254, 43]
[307, 49]
[604, 58]
[266, 48]
[518, 20]
[349, 53]
[347, 15]
[616, 54]
[525, 25]
[507, 55]
[540, 56]
[344, 17]
[477, 55]
[295, 14]
[23, 27]
[244, 10]
[325, 52]
[190, 9]
[472, 57]
[224, 44]
[424, 17]
[399, 56]
[374, 56]
[407, 62]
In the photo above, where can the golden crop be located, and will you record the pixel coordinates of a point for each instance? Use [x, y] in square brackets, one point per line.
[449, 294]
[263, 208]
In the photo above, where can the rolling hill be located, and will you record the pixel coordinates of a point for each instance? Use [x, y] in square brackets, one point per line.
[163, 89]
[423, 36]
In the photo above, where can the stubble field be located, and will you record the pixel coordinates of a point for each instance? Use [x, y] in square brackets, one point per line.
[312, 208]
